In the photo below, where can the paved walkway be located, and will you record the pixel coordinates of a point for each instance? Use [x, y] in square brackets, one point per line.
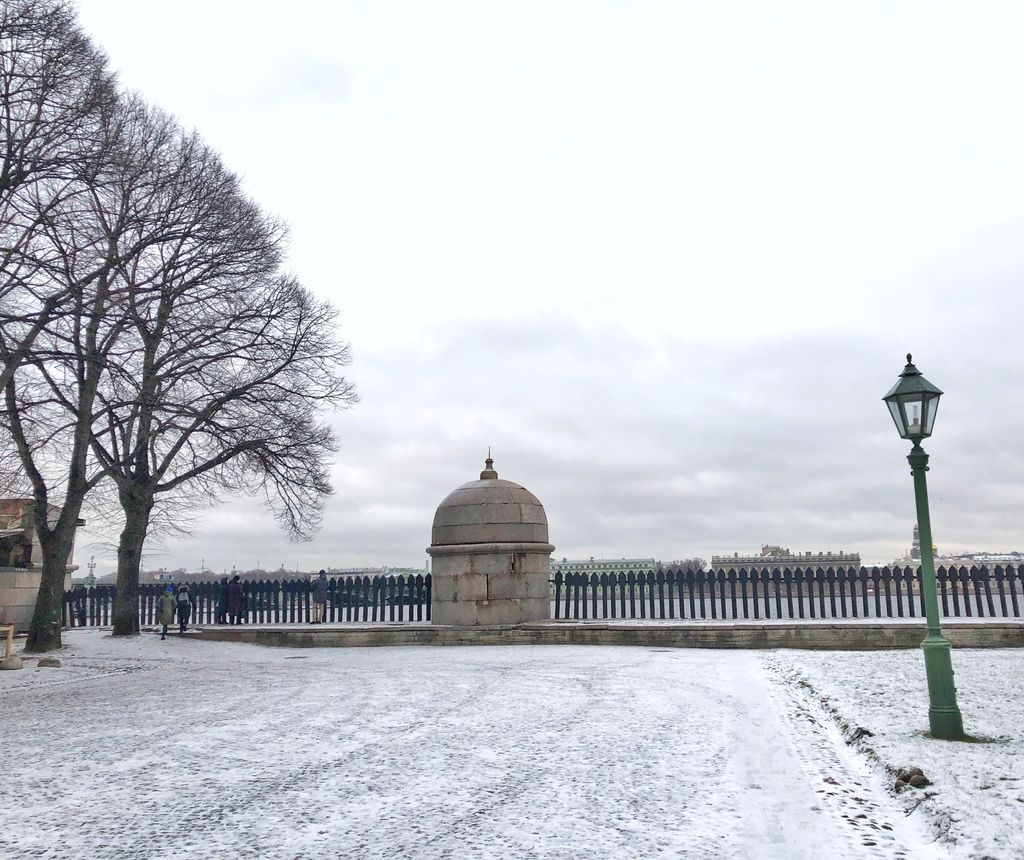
[150, 749]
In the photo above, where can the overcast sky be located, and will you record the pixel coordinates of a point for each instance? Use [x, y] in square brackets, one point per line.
[665, 258]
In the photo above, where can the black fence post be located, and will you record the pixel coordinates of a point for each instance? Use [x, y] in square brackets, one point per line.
[897, 576]
[1013, 578]
[1001, 588]
[700, 578]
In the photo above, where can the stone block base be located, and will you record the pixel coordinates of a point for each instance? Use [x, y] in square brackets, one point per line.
[488, 584]
[488, 612]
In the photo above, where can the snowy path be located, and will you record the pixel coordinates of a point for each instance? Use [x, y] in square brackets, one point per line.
[429, 753]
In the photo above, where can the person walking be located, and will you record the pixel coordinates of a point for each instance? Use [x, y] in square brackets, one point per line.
[236, 599]
[184, 607]
[165, 610]
[320, 598]
[222, 601]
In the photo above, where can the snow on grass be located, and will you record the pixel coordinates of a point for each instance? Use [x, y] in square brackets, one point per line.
[977, 797]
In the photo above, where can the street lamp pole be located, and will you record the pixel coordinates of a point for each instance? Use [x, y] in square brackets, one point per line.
[943, 714]
[913, 402]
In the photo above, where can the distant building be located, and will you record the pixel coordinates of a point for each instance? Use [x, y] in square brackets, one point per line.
[281, 574]
[990, 560]
[383, 570]
[774, 557]
[21, 560]
[602, 565]
[980, 559]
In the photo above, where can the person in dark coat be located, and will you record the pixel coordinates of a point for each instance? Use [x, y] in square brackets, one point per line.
[236, 599]
[320, 598]
[184, 607]
[222, 601]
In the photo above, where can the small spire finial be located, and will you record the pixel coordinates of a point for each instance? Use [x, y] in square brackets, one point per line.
[488, 473]
[910, 360]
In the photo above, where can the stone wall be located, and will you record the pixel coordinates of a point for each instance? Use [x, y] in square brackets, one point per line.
[486, 584]
[806, 635]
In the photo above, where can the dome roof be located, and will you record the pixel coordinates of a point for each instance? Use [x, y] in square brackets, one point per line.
[489, 511]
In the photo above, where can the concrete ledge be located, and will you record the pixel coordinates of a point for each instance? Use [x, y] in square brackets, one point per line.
[862, 636]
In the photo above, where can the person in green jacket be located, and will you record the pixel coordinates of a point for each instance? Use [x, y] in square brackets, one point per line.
[165, 610]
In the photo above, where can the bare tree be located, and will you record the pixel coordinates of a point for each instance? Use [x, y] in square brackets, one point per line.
[146, 330]
[224, 368]
[52, 440]
[56, 99]
[56, 102]
[51, 396]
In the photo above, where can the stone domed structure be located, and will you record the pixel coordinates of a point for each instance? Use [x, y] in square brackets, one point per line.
[490, 511]
[491, 556]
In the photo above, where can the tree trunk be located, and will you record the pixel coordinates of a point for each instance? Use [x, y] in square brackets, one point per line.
[129, 560]
[44, 629]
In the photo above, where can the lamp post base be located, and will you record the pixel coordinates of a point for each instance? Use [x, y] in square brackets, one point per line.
[943, 714]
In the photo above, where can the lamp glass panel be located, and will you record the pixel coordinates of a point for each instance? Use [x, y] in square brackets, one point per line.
[931, 407]
[897, 416]
[914, 409]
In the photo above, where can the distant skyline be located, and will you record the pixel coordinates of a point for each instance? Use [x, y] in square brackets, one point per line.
[665, 258]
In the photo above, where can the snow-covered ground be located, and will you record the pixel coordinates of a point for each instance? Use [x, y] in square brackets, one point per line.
[977, 801]
[187, 749]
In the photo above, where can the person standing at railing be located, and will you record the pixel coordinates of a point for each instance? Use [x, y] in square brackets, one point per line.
[320, 598]
[222, 601]
[184, 607]
[165, 610]
[236, 599]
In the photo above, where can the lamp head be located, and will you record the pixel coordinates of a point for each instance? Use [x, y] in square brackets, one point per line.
[913, 402]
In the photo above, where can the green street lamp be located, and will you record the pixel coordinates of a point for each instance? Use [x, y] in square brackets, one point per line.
[913, 402]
